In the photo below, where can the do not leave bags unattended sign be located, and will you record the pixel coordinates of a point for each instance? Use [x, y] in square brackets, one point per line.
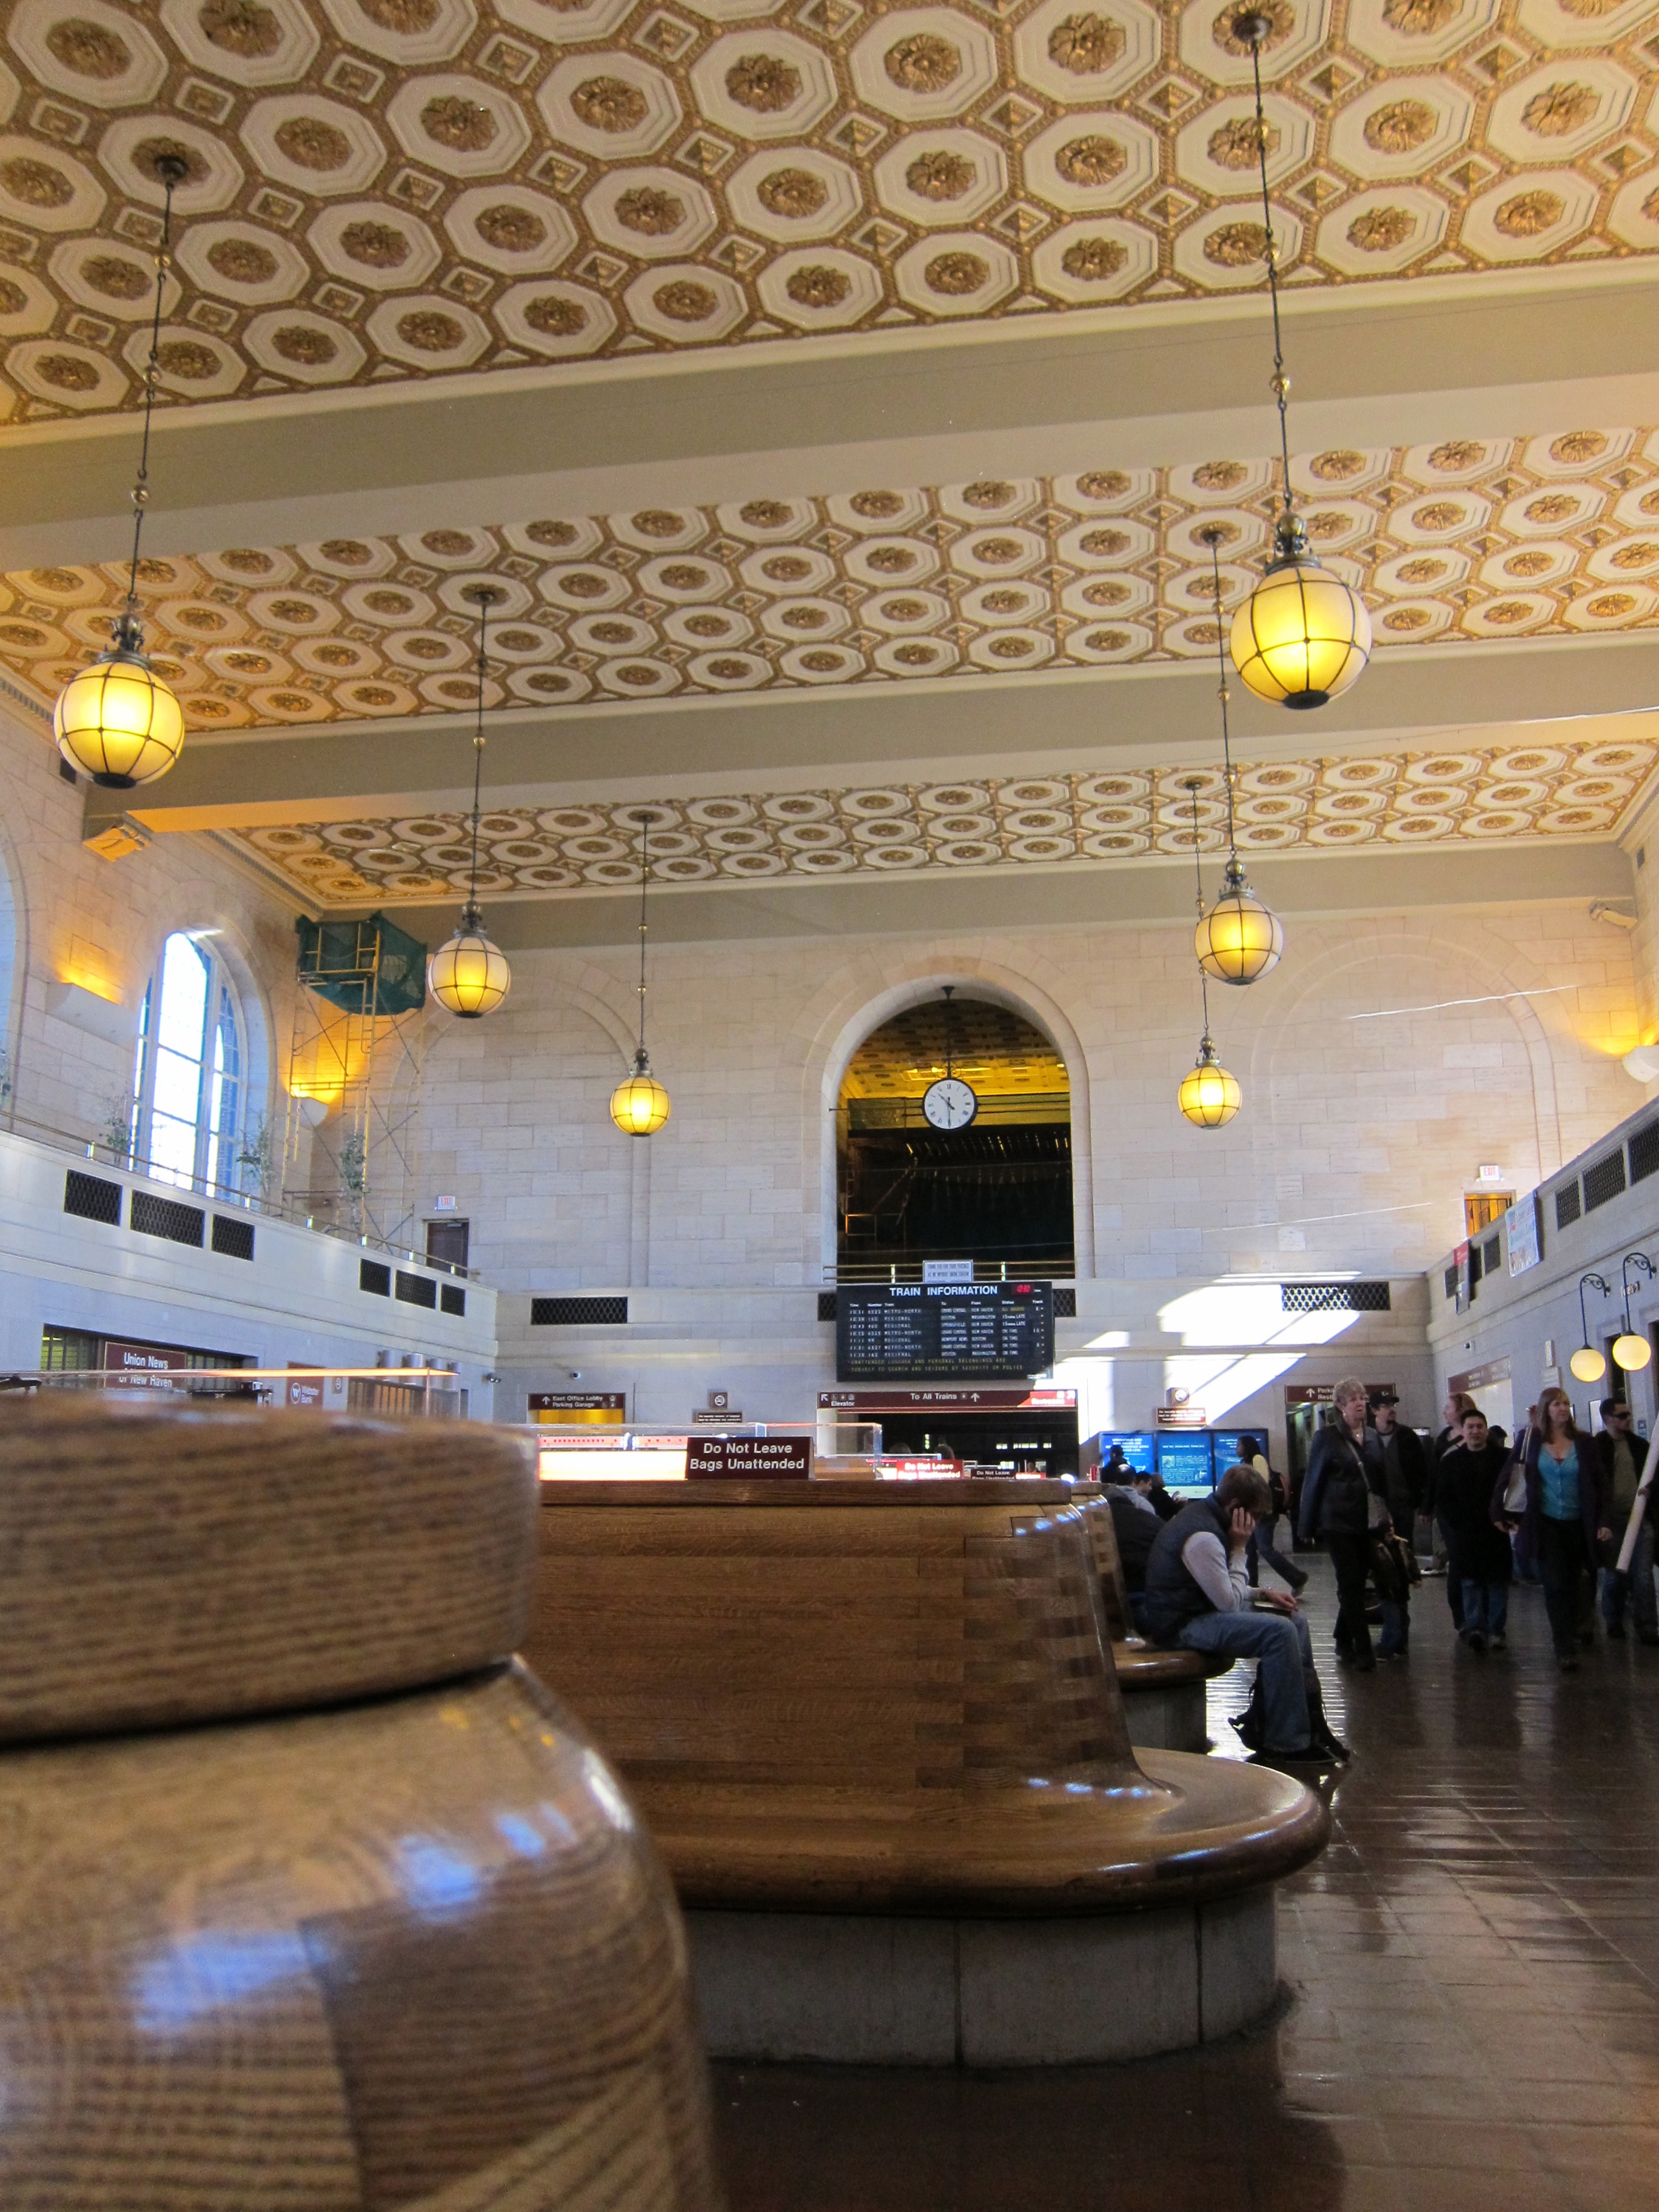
[747, 1458]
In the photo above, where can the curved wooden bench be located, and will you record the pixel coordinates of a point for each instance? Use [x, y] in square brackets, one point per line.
[878, 1733]
[1163, 1691]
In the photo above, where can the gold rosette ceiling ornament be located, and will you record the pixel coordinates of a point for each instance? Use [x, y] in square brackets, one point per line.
[1238, 938]
[639, 1105]
[468, 974]
[1303, 636]
[117, 722]
[1209, 1096]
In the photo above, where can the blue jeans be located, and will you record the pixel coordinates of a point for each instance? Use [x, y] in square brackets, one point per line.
[1486, 1606]
[1641, 1591]
[1281, 1643]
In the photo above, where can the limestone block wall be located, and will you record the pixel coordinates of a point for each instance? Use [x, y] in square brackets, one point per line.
[1387, 1058]
[68, 909]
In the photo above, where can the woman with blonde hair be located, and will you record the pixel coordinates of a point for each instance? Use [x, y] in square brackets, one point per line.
[1565, 1515]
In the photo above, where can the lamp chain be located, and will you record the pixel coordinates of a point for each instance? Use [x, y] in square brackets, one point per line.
[1256, 28]
[484, 604]
[171, 171]
[645, 877]
[1214, 538]
[1198, 871]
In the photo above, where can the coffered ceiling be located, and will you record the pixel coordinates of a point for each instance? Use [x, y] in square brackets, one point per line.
[836, 392]
[387, 189]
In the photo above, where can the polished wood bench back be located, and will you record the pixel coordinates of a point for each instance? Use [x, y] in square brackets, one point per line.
[919, 1636]
[1103, 1538]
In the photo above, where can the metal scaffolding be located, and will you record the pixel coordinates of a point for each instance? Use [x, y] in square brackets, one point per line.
[354, 1078]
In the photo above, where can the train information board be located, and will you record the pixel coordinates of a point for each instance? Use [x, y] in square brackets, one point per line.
[943, 1332]
[1185, 1462]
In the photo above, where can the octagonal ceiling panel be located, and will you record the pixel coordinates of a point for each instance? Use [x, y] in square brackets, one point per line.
[614, 177]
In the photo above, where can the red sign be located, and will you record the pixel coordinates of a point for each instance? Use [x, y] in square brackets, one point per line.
[919, 1466]
[748, 1458]
[145, 1363]
[1321, 1393]
[992, 1399]
[306, 1390]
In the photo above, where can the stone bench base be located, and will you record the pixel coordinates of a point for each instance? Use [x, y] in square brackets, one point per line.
[1164, 1701]
[904, 1991]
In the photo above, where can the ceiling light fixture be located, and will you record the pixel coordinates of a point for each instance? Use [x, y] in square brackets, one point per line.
[1303, 636]
[1587, 1363]
[1239, 938]
[117, 722]
[1209, 1096]
[468, 974]
[639, 1105]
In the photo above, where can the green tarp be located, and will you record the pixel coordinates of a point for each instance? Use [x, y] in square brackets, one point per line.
[363, 967]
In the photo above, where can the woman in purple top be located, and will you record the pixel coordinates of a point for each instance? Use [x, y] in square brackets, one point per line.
[1565, 1515]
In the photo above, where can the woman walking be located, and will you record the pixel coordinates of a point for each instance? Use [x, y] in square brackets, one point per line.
[1565, 1515]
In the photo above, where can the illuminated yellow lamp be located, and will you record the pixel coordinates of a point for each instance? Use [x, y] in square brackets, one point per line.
[1303, 636]
[117, 722]
[1238, 938]
[639, 1105]
[468, 974]
[1588, 1364]
[1630, 1352]
[1209, 1096]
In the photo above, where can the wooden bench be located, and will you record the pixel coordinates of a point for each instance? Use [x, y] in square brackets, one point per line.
[1163, 1691]
[876, 1732]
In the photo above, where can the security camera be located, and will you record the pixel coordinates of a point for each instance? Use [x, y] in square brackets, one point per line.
[1618, 916]
[573, 1374]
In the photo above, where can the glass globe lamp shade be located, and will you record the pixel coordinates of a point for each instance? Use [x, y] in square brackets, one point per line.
[1630, 1352]
[1208, 1097]
[639, 1105]
[468, 974]
[1303, 636]
[1239, 938]
[1588, 1364]
[117, 722]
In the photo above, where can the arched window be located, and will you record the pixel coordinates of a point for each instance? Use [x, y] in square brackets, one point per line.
[187, 1085]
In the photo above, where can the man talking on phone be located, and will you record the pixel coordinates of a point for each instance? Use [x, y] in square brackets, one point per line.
[1199, 1596]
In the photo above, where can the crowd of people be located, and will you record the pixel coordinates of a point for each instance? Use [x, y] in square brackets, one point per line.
[1555, 1505]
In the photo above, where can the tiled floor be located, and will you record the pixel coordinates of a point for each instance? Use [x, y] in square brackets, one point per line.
[1471, 2016]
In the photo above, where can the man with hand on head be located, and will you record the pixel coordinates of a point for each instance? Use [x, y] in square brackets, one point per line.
[1198, 1596]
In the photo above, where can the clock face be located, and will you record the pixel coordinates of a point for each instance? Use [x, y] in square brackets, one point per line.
[950, 1104]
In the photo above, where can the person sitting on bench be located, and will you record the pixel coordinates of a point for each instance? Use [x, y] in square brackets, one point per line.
[1198, 1594]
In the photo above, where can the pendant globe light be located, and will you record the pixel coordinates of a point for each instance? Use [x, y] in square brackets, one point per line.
[468, 974]
[1209, 1096]
[117, 722]
[1303, 636]
[1631, 1351]
[1238, 938]
[639, 1105]
[1587, 1363]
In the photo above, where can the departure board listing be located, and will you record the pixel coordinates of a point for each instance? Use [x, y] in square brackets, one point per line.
[925, 1332]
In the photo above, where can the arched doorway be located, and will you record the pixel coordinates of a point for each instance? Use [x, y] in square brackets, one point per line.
[997, 1189]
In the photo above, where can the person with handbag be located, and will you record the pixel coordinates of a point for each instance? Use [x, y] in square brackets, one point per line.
[1479, 1550]
[1342, 1503]
[1565, 1514]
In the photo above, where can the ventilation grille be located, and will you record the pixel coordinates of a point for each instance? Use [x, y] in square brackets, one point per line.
[1476, 1267]
[1333, 1298]
[92, 1198]
[577, 1313]
[826, 1305]
[233, 1237]
[451, 1300]
[1491, 1255]
[417, 1290]
[1604, 1179]
[1645, 1153]
[1065, 1305]
[1451, 1282]
[1566, 1205]
[164, 1216]
[375, 1275]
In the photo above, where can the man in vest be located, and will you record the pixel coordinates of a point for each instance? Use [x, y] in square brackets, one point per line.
[1198, 1594]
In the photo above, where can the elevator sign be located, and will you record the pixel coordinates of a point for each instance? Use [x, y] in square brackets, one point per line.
[944, 1332]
